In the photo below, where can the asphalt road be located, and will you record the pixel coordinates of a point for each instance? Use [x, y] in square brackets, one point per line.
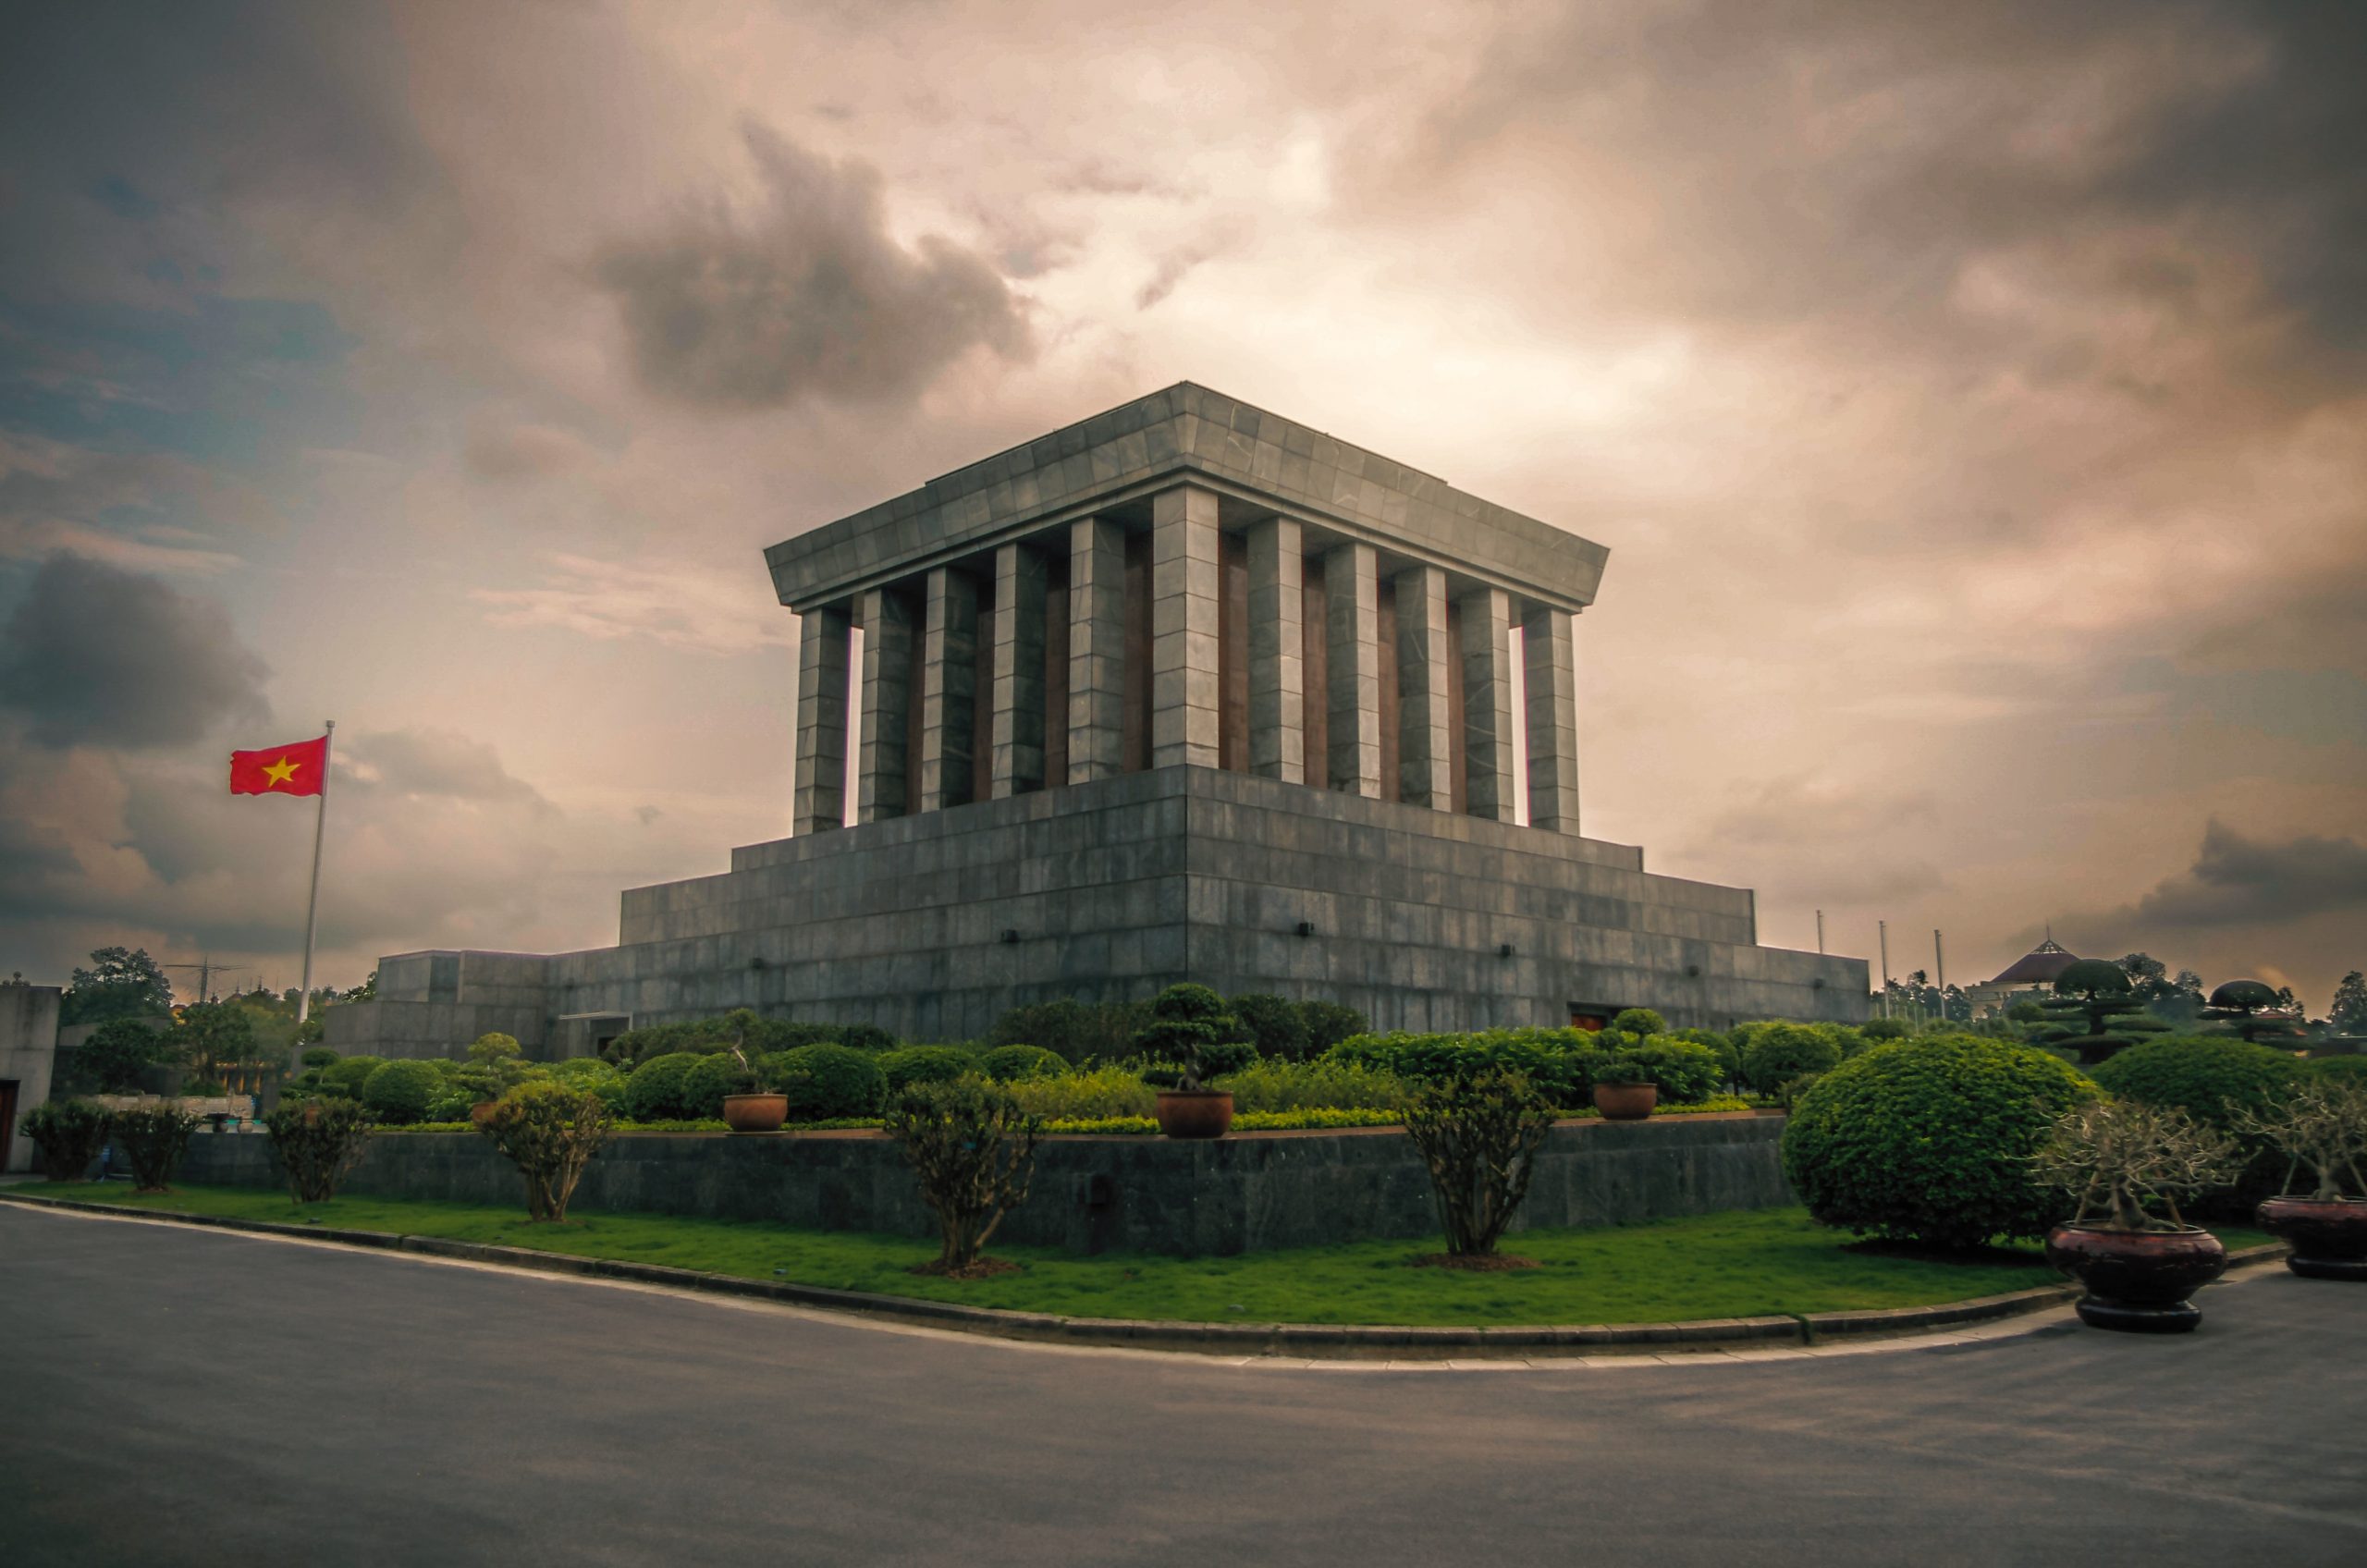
[175, 1396]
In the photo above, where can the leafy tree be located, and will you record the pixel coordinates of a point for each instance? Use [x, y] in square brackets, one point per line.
[365, 992]
[974, 1151]
[213, 1036]
[1478, 1135]
[549, 1130]
[317, 1142]
[2348, 1013]
[117, 1052]
[120, 982]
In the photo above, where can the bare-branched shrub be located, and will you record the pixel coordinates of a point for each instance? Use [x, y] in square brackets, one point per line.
[1479, 1137]
[549, 1130]
[317, 1142]
[2320, 1126]
[2125, 1159]
[973, 1149]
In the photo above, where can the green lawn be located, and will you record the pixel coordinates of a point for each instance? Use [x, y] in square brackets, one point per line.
[1733, 1265]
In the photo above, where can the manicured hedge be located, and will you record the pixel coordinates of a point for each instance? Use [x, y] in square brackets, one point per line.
[823, 1082]
[2216, 1079]
[1927, 1140]
[925, 1065]
[660, 1089]
[1559, 1062]
[1779, 1053]
[398, 1092]
[1006, 1064]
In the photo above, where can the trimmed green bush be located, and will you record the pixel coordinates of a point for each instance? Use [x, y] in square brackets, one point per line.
[707, 1084]
[2342, 1069]
[154, 1138]
[1274, 1024]
[1641, 1022]
[1006, 1064]
[317, 1142]
[1190, 1027]
[1328, 1023]
[1877, 1030]
[1928, 1140]
[2216, 1080]
[1780, 1052]
[319, 1055]
[1685, 1071]
[70, 1134]
[347, 1074]
[925, 1065]
[398, 1093]
[1273, 1085]
[758, 1036]
[549, 1130]
[659, 1089]
[824, 1082]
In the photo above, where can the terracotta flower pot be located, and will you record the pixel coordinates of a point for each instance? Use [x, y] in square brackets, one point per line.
[754, 1113]
[1195, 1113]
[482, 1112]
[1626, 1102]
[2137, 1281]
[2328, 1235]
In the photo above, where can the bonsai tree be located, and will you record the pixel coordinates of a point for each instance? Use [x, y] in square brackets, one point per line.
[549, 1130]
[2252, 1009]
[317, 1142]
[2094, 1012]
[1190, 1027]
[154, 1138]
[1478, 1135]
[70, 1134]
[496, 1065]
[974, 1151]
[2126, 1159]
[2321, 1126]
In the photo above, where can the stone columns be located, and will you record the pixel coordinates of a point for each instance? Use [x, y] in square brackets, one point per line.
[1019, 583]
[948, 688]
[1486, 670]
[1184, 713]
[1548, 664]
[882, 766]
[1425, 760]
[1277, 669]
[1352, 652]
[820, 800]
[1097, 716]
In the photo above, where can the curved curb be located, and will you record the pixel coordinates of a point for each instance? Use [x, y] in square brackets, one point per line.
[1307, 1340]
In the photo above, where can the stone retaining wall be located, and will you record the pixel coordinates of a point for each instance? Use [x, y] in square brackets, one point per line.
[1249, 1192]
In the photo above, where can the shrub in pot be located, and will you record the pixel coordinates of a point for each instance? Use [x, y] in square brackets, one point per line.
[972, 1149]
[1190, 1027]
[549, 1130]
[2127, 1242]
[1927, 1140]
[70, 1134]
[154, 1138]
[740, 1082]
[1685, 1071]
[1479, 1137]
[316, 1143]
[1623, 1090]
[2321, 1129]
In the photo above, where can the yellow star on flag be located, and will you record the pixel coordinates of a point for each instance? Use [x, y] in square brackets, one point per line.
[279, 772]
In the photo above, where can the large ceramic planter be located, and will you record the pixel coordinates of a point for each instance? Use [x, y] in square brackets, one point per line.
[1626, 1102]
[1195, 1113]
[2328, 1235]
[2137, 1281]
[754, 1113]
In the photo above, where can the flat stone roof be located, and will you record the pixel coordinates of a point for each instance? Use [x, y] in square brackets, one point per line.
[1260, 462]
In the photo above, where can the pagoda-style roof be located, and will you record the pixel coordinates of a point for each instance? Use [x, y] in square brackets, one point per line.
[2038, 966]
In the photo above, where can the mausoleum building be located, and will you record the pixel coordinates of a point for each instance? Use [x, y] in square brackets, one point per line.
[1186, 691]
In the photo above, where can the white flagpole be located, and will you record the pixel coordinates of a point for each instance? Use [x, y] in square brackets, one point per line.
[313, 907]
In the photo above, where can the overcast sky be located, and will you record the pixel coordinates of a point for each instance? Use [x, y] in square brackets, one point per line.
[1973, 400]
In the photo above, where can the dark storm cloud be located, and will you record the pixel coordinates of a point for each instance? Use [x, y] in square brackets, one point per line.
[97, 655]
[810, 296]
[431, 761]
[2237, 881]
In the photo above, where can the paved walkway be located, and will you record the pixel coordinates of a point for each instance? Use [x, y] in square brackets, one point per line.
[178, 1396]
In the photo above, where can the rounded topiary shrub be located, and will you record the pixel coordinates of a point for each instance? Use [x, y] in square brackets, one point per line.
[1009, 1064]
[659, 1089]
[398, 1093]
[345, 1075]
[1877, 1030]
[1686, 1072]
[1275, 1024]
[924, 1064]
[2344, 1069]
[827, 1083]
[1641, 1022]
[2215, 1079]
[1778, 1053]
[1928, 1140]
[709, 1079]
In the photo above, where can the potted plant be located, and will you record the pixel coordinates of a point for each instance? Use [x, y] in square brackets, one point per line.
[2321, 1126]
[1190, 1028]
[1623, 1090]
[2125, 1162]
[760, 1106]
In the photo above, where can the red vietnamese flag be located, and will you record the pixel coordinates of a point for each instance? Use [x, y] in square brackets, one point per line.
[297, 769]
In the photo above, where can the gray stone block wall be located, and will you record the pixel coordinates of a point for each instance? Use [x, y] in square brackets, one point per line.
[1095, 1194]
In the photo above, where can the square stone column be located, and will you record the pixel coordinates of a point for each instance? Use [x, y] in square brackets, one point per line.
[1425, 760]
[824, 636]
[1486, 659]
[1277, 666]
[1549, 664]
[1020, 580]
[1097, 716]
[882, 768]
[1184, 713]
[948, 688]
[1351, 655]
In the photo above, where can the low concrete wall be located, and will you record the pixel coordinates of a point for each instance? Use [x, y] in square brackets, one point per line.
[1245, 1194]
